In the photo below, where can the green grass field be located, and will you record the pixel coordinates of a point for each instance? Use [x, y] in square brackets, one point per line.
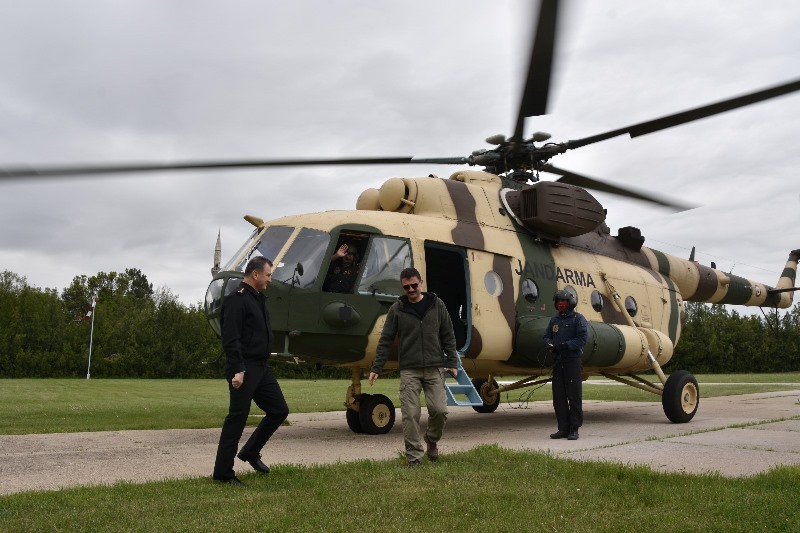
[487, 489]
[73, 405]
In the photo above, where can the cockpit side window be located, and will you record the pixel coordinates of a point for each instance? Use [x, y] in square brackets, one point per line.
[380, 272]
[345, 266]
[269, 245]
[307, 251]
[214, 295]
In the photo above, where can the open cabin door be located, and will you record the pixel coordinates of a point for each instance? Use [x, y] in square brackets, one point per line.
[447, 275]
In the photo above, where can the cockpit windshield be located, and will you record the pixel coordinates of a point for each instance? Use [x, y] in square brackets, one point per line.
[269, 244]
[307, 250]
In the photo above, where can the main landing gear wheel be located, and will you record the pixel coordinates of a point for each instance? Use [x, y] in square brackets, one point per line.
[484, 387]
[377, 414]
[354, 421]
[681, 397]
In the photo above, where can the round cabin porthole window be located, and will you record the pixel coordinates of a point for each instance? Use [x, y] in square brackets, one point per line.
[493, 283]
[530, 291]
[597, 301]
[630, 306]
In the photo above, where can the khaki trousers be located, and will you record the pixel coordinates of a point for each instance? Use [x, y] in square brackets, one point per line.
[413, 381]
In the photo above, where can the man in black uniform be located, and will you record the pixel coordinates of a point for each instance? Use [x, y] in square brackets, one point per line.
[247, 341]
[566, 335]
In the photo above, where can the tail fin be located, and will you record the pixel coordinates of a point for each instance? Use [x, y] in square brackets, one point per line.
[783, 293]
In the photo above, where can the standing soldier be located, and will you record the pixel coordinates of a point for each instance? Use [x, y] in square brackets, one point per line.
[427, 349]
[247, 340]
[566, 335]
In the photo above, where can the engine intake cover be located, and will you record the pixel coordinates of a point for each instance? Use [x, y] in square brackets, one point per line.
[554, 209]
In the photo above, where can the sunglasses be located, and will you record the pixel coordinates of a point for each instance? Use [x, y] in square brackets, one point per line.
[410, 286]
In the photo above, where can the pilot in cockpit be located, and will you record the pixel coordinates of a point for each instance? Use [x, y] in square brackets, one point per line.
[344, 270]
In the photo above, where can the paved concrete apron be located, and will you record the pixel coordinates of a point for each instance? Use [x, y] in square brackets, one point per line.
[732, 435]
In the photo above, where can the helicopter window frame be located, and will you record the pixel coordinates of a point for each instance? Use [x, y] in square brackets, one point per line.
[213, 304]
[267, 244]
[380, 270]
[530, 290]
[493, 283]
[356, 242]
[597, 301]
[309, 247]
[270, 246]
[631, 306]
[217, 291]
[235, 258]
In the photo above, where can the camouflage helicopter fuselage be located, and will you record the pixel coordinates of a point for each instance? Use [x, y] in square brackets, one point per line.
[495, 251]
[632, 296]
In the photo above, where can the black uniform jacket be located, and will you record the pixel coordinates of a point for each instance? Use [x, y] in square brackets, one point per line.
[568, 333]
[246, 329]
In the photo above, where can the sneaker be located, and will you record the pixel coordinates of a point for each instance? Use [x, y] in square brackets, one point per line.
[432, 451]
[559, 434]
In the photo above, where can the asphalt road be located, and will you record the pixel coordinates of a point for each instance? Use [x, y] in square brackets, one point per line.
[732, 435]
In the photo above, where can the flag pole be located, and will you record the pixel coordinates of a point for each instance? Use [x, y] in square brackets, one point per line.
[91, 338]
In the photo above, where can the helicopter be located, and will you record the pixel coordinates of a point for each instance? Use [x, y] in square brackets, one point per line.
[494, 243]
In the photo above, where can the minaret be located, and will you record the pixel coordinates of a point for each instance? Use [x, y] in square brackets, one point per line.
[217, 256]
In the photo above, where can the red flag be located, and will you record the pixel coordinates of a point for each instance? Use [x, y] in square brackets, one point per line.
[91, 309]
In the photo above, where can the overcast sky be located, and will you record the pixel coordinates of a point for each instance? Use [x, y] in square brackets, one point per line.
[142, 80]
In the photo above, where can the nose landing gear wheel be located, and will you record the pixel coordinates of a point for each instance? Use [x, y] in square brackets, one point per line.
[681, 397]
[484, 388]
[377, 414]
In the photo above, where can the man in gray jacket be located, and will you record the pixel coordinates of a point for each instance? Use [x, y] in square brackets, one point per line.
[426, 349]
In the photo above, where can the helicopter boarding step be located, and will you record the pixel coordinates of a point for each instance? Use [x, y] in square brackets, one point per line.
[461, 387]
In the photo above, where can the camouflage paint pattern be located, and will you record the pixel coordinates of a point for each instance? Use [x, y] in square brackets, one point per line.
[507, 323]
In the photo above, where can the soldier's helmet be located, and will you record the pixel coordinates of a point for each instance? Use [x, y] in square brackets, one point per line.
[567, 296]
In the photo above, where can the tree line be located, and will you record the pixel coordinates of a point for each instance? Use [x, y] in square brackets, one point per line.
[717, 340]
[144, 333]
[138, 332]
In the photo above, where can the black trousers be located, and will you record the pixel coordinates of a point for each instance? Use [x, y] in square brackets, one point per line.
[260, 386]
[568, 394]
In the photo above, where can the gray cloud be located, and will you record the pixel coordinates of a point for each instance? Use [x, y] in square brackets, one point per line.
[145, 80]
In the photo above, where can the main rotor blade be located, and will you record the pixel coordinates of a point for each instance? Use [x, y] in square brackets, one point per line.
[643, 128]
[17, 172]
[537, 83]
[573, 178]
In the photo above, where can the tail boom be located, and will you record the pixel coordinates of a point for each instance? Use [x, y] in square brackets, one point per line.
[699, 283]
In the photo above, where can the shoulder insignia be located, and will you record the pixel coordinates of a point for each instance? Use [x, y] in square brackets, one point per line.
[241, 290]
